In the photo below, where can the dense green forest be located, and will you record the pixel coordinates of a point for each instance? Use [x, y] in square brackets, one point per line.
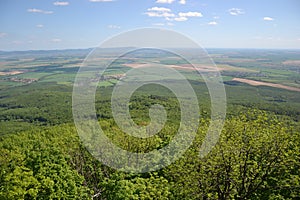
[42, 156]
[257, 156]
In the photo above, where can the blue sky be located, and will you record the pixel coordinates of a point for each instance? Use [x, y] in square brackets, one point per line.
[64, 24]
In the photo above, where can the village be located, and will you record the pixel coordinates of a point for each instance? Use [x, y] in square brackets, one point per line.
[23, 80]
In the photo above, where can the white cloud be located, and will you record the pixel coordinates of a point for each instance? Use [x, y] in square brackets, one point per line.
[182, 2]
[2, 34]
[165, 1]
[212, 23]
[39, 25]
[101, 0]
[236, 11]
[268, 19]
[169, 15]
[61, 3]
[114, 27]
[34, 10]
[190, 14]
[56, 40]
[159, 9]
[180, 19]
[153, 14]
[160, 14]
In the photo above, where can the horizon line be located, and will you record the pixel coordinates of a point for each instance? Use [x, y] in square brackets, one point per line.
[236, 48]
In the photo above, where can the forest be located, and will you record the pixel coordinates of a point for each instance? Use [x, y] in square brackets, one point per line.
[256, 157]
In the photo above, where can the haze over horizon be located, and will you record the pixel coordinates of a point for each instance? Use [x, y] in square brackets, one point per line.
[70, 24]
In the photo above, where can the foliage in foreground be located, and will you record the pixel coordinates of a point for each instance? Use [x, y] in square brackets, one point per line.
[257, 157]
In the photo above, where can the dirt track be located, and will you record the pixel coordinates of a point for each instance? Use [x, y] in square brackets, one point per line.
[256, 83]
[184, 67]
[11, 73]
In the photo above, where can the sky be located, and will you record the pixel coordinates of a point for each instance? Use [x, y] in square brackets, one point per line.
[74, 24]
